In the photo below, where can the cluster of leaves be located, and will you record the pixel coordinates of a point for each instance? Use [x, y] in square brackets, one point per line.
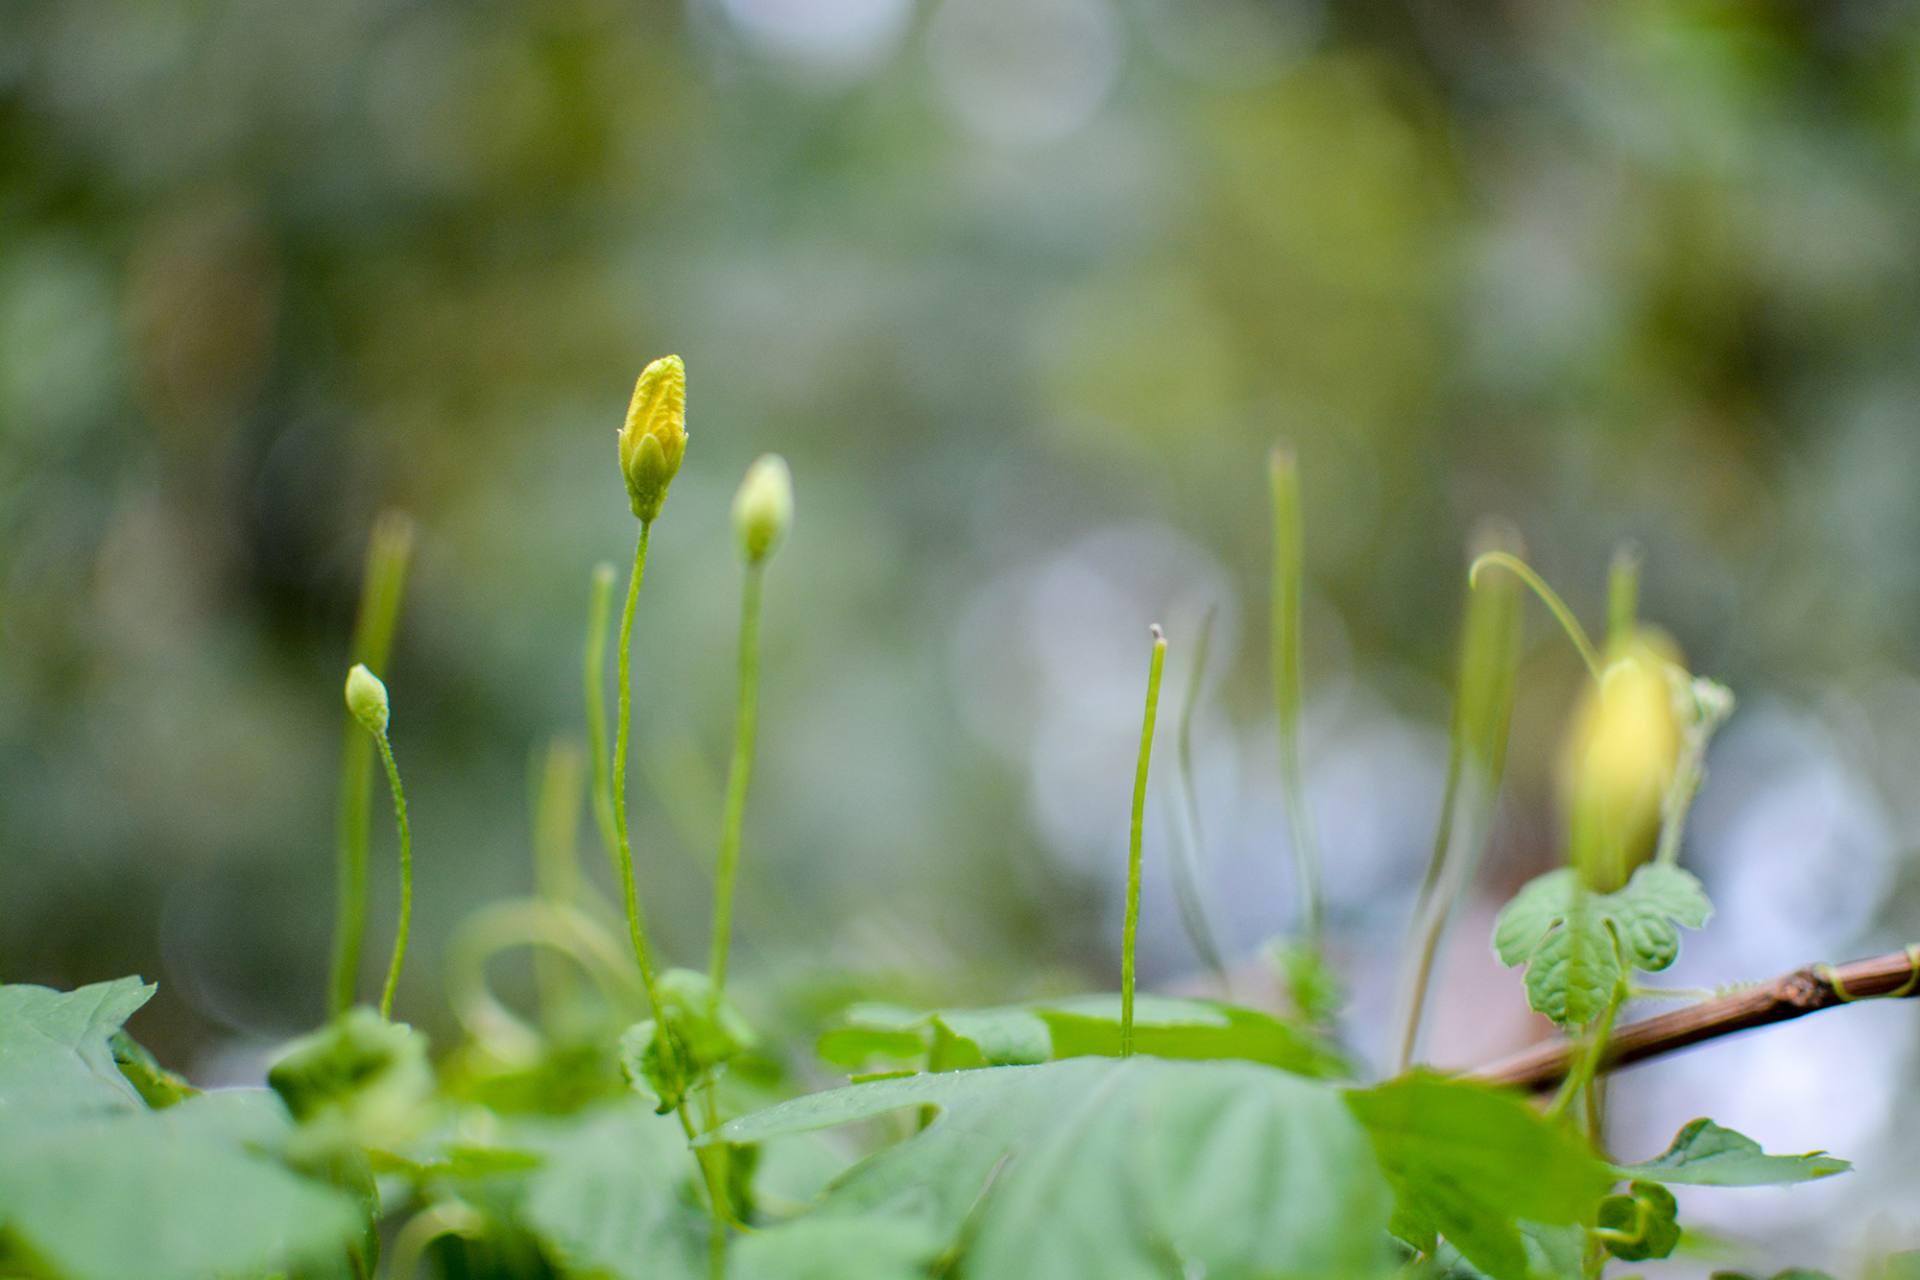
[1017, 1145]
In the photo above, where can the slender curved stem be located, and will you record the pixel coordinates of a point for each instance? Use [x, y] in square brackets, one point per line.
[629, 889]
[1131, 926]
[406, 875]
[1548, 596]
[1283, 478]
[594, 680]
[739, 772]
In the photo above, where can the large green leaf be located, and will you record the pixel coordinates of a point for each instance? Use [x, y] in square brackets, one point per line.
[1707, 1155]
[1114, 1168]
[1474, 1163]
[175, 1195]
[612, 1198]
[829, 1248]
[1089, 1026]
[56, 1051]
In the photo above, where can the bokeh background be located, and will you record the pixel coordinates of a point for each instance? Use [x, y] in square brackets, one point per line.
[1024, 289]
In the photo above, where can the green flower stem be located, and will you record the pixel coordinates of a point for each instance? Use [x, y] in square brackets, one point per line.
[727, 865]
[629, 889]
[382, 583]
[1131, 927]
[1283, 477]
[599, 613]
[406, 875]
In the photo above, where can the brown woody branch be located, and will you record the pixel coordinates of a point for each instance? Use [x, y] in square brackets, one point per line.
[1789, 996]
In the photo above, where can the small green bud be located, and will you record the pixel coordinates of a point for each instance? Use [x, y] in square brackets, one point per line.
[763, 507]
[367, 699]
[654, 438]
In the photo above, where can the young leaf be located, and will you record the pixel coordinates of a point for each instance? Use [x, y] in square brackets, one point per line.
[1473, 1163]
[1217, 1168]
[1707, 1155]
[1576, 943]
[1642, 1224]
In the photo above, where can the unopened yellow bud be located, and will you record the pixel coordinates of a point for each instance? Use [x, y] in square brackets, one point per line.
[654, 438]
[1622, 753]
[763, 507]
[367, 699]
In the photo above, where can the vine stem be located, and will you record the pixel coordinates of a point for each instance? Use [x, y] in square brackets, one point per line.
[1895, 975]
[739, 771]
[406, 874]
[1131, 926]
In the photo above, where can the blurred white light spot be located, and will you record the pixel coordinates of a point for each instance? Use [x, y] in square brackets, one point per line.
[1024, 73]
[841, 38]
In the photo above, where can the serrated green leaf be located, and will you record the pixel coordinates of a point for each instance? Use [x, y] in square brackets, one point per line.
[1474, 1163]
[1574, 970]
[1645, 910]
[1708, 1155]
[1540, 905]
[611, 1199]
[56, 1052]
[1221, 1168]
[1576, 944]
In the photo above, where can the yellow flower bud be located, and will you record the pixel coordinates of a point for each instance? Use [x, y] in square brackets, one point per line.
[655, 435]
[763, 507]
[1622, 753]
[367, 699]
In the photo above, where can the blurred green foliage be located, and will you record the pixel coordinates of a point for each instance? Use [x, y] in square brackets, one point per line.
[999, 277]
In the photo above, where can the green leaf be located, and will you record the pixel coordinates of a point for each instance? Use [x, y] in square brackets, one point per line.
[1540, 905]
[1574, 971]
[1643, 1224]
[828, 1248]
[1645, 910]
[1576, 944]
[1215, 1168]
[158, 1087]
[1088, 1026]
[172, 1195]
[611, 1199]
[1705, 1154]
[1473, 1163]
[56, 1052]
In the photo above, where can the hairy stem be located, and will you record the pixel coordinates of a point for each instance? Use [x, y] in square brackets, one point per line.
[406, 875]
[629, 889]
[1131, 926]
